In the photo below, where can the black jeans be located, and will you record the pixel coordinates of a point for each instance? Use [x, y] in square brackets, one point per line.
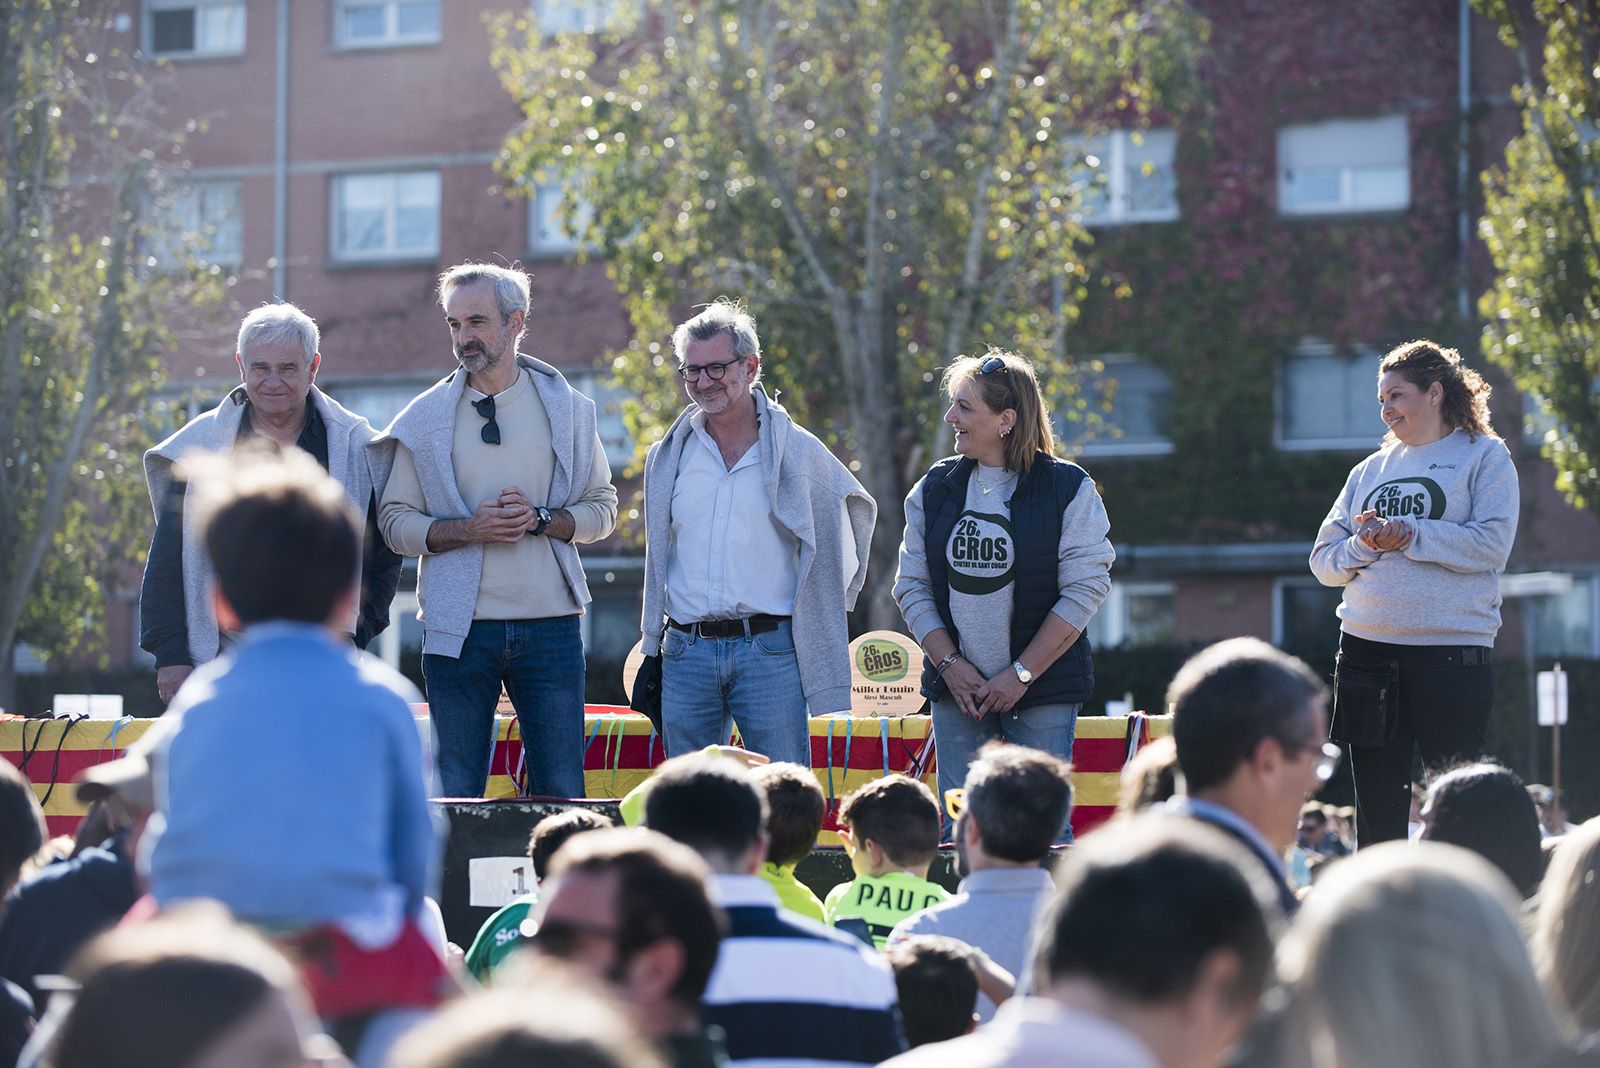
[1443, 710]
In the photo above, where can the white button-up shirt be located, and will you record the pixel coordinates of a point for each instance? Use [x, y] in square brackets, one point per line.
[728, 557]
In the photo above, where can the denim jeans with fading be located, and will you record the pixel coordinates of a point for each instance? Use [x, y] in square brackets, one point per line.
[958, 737]
[752, 681]
[540, 663]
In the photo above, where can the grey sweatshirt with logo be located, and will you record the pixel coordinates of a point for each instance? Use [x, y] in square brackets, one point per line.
[1459, 497]
[982, 611]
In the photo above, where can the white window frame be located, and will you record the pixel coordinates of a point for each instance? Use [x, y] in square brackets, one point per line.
[591, 382]
[389, 252]
[1112, 615]
[1113, 149]
[1587, 583]
[544, 206]
[151, 7]
[392, 37]
[1365, 359]
[555, 16]
[1385, 144]
[1279, 585]
[1116, 446]
[184, 217]
[395, 393]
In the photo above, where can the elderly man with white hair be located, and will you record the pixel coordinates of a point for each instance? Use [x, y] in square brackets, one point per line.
[278, 400]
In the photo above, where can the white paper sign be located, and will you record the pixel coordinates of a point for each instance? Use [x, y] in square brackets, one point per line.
[494, 881]
[1552, 698]
[93, 705]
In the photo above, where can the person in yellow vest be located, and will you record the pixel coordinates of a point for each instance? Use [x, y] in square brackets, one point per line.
[890, 828]
[795, 808]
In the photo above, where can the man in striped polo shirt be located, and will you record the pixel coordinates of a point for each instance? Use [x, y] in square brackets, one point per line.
[786, 991]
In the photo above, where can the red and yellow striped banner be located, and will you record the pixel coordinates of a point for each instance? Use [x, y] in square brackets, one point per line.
[620, 750]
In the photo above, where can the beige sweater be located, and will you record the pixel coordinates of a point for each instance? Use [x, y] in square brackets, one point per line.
[521, 579]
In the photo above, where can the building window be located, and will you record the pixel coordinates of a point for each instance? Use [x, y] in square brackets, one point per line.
[614, 436]
[204, 220]
[577, 16]
[1305, 621]
[386, 216]
[1134, 614]
[178, 28]
[378, 402]
[1568, 624]
[549, 232]
[1327, 400]
[1126, 176]
[1132, 398]
[379, 23]
[1343, 166]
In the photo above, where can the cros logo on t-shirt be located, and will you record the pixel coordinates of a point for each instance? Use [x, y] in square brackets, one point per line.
[1419, 498]
[981, 554]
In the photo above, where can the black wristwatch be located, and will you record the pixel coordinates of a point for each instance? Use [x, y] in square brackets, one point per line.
[544, 520]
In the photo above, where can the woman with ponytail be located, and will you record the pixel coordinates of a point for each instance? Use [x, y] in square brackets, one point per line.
[1418, 538]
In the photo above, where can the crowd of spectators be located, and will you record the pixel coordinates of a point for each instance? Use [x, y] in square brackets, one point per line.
[215, 916]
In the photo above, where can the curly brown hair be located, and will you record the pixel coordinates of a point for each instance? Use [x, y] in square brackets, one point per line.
[1466, 394]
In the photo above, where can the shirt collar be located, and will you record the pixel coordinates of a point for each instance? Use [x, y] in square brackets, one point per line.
[736, 891]
[284, 628]
[990, 880]
[1212, 812]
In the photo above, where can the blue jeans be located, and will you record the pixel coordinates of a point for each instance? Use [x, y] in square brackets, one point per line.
[958, 737]
[540, 662]
[754, 681]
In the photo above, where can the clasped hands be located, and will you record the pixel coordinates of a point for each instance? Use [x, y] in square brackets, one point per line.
[503, 518]
[1380, 534]
[977, 696]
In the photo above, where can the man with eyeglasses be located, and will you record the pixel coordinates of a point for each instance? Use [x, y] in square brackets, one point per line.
[498, 475]
[756, 546]
[1251, 729]
[631, 909]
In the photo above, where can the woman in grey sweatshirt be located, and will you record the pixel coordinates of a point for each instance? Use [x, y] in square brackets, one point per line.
[1418, 538]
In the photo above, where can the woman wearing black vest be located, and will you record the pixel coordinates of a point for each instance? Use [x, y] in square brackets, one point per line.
[1005, 559]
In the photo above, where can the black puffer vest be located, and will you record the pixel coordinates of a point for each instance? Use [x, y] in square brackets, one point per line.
[1041, 497]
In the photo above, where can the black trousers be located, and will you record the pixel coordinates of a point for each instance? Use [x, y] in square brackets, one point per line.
[1445, 695]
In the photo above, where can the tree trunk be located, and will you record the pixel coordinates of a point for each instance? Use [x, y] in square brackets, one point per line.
[8, 678]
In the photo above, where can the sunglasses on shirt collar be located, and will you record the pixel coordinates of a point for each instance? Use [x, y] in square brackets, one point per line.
[491, 429]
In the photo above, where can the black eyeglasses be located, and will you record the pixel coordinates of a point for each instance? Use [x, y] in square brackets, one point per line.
[713, 371]
[491, 429]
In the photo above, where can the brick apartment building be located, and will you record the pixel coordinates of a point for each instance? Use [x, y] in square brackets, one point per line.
[346, 156]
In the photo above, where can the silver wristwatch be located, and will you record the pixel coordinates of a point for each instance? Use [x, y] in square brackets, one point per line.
[1023, 673]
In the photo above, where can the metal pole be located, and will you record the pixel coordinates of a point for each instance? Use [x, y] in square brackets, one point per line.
[1533, 687]
[280, 160]
[1555, 744]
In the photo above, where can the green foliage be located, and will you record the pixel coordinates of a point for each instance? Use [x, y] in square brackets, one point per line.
[81, 313]
[1218, 298]
[887, 183]
[1541, 224]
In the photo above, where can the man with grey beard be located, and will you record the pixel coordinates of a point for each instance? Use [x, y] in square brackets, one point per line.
[498, 475]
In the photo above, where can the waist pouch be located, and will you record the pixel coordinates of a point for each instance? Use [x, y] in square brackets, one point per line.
[1366, 702]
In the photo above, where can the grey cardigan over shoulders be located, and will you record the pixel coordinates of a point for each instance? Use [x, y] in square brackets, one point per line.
[819, 502]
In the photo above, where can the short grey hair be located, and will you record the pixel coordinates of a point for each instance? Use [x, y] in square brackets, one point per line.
[510, 285]
[721, 316]
[273, 324]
